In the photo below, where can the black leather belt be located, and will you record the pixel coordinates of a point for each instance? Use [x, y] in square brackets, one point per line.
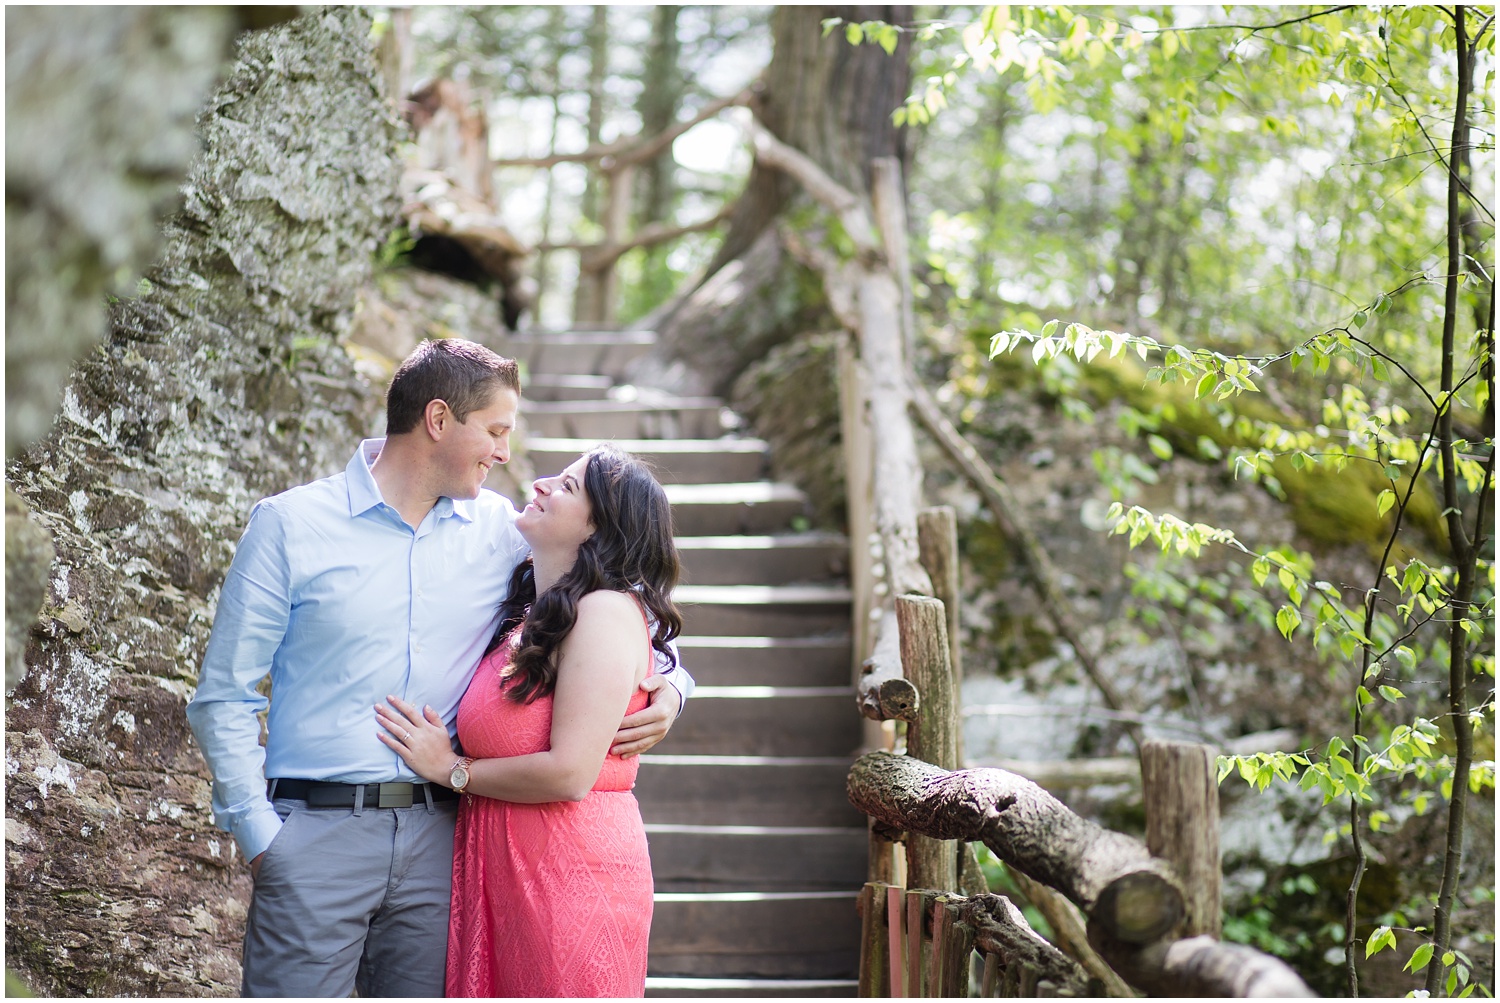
[318, 794]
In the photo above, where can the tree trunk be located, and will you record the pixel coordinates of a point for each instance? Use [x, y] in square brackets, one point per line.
[832, 102]
[223, 382]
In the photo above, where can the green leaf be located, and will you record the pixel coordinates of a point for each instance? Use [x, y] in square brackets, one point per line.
[854, 33]
[1384, 501]
[1360, 318]
[1287, 619]
[1260, 570]
[1419, 958]
[1161, 447]
[830, 23]
[888, 36]
[1392, 694]
[1363, 696]
[1049, 327]
[1206, 385]
[1383, 937]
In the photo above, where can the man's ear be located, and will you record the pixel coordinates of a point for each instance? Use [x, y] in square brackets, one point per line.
[437, 418]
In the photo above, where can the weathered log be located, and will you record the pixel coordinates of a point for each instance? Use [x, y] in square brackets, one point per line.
[918, 935]
[895, 917]
[1110, 876]
[1182, 826]
[937, 545]
[991, 976]
[1001, 929]
[874, 956]
[932, 737]
[1200, 966]
[883, 693]
[1070, 932]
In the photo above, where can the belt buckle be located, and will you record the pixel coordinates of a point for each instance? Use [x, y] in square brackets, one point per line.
[395, 795]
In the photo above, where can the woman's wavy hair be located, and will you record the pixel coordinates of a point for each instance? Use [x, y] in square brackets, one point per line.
[631, 551]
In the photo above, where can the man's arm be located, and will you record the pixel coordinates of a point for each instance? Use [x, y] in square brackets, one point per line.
[669, 689]
[251, 620]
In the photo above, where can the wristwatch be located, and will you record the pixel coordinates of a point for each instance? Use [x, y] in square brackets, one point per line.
[458, 779]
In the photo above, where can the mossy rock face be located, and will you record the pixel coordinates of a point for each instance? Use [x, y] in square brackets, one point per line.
[791, 398]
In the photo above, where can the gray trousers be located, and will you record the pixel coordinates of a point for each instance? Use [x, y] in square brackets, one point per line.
[349, 901]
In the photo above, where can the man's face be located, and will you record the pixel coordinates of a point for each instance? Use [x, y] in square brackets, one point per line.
[468, 449]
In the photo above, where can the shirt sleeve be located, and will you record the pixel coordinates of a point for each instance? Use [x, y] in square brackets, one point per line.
[251, 621]
[677, 676]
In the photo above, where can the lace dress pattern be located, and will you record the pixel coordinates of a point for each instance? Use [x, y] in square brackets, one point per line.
[549, 899]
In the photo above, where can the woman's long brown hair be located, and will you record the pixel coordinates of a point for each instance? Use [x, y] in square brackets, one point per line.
[630, 551]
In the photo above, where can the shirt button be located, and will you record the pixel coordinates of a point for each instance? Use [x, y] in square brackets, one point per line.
[419, 593]
[417, 648]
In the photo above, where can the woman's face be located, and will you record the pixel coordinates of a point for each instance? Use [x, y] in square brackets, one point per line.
[559, 517]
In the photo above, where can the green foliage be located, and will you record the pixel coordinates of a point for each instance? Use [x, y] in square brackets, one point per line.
[1259, 196]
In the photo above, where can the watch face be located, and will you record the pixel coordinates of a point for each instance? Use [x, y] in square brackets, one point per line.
[459, 778]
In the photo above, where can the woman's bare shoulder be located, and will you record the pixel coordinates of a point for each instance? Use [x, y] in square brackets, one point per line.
[609, 606]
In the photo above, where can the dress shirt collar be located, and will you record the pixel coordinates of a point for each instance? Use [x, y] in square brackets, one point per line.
[364, 493]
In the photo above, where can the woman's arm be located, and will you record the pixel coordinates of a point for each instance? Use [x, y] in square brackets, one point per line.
[601, 661]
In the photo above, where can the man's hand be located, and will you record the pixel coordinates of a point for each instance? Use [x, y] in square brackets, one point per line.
[255, 866]
[643, 729]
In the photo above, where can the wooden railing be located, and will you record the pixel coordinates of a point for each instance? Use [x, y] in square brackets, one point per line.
[1125, 913]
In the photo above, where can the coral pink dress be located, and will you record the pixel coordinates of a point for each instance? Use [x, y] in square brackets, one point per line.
[549, 899]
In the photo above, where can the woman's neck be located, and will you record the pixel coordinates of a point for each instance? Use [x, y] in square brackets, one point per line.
[548, 568]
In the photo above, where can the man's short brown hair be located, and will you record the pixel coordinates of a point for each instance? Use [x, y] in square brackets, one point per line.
[460, 373]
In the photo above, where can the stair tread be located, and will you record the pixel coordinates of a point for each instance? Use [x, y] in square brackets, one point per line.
[726, 444]
[735, 493]
[753, 692]
[741, 594]
[592, 406]
[579, 337]
[752, 830]
[764, 541]
[757, 641]
[676, 982]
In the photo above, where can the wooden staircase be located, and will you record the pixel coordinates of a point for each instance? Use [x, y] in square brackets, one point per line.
[757, 854]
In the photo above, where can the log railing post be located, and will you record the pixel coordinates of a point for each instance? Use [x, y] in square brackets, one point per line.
[937, 541]
[1181, 792]
[874, 951]
[933, 737]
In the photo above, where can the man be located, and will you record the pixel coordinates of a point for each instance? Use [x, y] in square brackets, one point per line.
[383, 580]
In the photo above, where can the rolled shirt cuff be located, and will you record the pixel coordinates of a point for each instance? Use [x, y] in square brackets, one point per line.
[254, 832]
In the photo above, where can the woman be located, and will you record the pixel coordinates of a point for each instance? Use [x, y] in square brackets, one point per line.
[551, 877]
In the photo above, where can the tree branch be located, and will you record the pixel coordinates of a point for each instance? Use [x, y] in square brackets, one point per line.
[599, 256]
[631, 149]
[834, 197]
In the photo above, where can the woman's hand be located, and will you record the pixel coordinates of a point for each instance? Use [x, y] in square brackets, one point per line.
[419, 737]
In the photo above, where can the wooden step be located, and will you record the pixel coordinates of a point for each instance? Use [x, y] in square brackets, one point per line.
[563, 387]
[754, 507]
[745, 790]
[769, 721]
[764, 610]
[675, 461]
[601, 420]
[777, 559]
[768, 661]
[590, 353]
[670, 987]
[755, 934]
[759, 858]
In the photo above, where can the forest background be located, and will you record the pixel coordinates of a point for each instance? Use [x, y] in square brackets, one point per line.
[1210, 287]
[1259, 197]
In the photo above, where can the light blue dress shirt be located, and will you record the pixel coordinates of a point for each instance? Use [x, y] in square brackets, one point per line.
[342, 602]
